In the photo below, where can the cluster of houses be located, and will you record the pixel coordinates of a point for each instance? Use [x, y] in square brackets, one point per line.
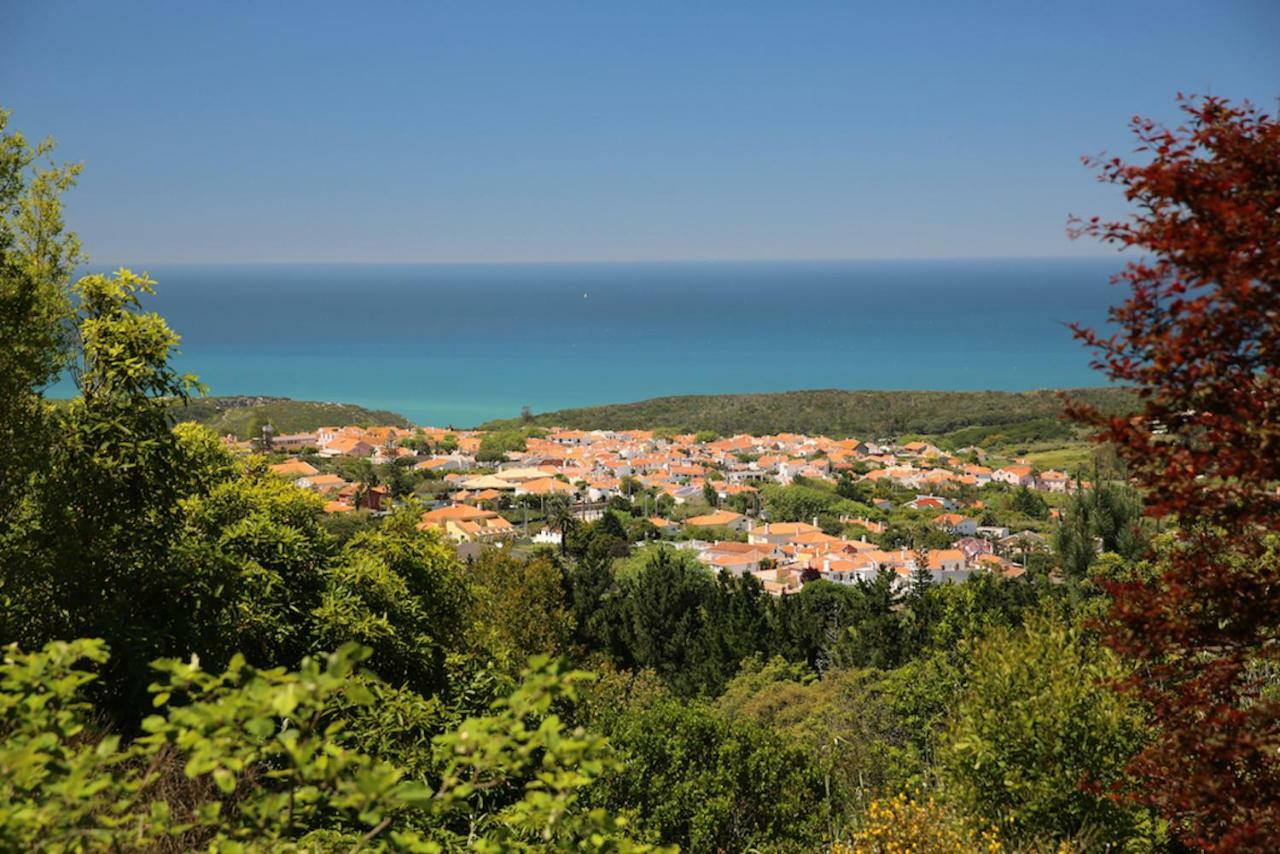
[783, 555]
[587, 468]
[378, 444]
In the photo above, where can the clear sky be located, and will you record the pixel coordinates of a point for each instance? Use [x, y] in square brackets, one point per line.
[475, 131]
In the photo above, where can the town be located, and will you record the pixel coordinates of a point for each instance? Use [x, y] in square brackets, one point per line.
[786, 508]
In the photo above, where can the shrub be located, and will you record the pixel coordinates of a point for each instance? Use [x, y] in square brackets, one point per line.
[276, 769]
[1039, 737]
[906, 826]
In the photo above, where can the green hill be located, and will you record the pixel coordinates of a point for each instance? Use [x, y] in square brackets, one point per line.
[830, 412]
[244, 416]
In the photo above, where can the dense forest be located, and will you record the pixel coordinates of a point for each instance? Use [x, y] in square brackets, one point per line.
[830, 412]
[195, 661]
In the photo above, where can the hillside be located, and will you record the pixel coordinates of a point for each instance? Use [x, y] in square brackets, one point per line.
[830, 412]
[244, 416]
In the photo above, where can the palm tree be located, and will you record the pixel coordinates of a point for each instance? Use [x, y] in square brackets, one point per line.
[366, 478]
[560, 518]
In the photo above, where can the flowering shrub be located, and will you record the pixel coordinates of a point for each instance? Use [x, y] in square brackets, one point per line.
[901, 825]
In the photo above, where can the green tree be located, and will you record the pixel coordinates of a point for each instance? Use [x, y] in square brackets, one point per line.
[709, 784]
[264, 537]
[847, 487]
[1105, 518]
[665, 616]
[844, 720]
[37, 258]
[396, 479]
[1039, 736]
[519, 606]
[92, 553]
[739, 623]
[597, 607]
[560, 517]
[919, 608]
[495, 445]
[401, 592]
[1030, 503]
[252, 759]
[797, 503]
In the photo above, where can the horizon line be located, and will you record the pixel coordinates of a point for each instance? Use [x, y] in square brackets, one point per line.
[607, 262]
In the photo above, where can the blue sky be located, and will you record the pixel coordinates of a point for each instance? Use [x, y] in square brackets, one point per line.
[414, 131]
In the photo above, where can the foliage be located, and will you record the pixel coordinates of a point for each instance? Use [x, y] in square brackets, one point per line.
[830, 412]
[52, 792]
[343, 526]
[797, 503]
[89, 551]
[921, 695]
[397, 479]
[37, 257]
[1029, 503]
[663, 610]
[242, 417]
[495, 445]
[1107, 515]
[560, 518]
[839, 625]
[844, 721]
[663, 615]
[709, 784]
[900, 824]
[266, 768]
[400, 592]
[1038, 737]
[266, 740]
[593, 596]
[517, 777]
[262, 535]
[519, 606]
[996, 436]
[1197, 339]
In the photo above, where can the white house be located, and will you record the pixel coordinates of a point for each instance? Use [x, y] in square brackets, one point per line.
[1015, 475]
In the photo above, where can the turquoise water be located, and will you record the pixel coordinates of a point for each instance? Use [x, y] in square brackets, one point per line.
[460, 344]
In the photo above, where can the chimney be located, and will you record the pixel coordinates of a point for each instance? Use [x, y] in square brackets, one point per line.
[815, 521]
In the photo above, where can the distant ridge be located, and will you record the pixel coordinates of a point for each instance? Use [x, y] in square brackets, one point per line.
[244, 416]
[830, 412]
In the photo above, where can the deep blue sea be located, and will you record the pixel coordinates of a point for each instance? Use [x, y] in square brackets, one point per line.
[459, 344]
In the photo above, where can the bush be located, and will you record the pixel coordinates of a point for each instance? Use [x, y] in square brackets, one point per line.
[1039, 737]
[900, 824]
[494, 446]
[708, 784]
[268, 765]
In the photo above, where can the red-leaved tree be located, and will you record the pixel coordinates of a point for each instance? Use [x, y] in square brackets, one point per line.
[1198, 339]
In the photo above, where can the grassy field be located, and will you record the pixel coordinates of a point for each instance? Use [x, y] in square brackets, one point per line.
[830, 412]
[245, 416]
[1073, 458]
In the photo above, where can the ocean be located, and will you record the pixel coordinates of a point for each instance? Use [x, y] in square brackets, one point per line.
[461, 344]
